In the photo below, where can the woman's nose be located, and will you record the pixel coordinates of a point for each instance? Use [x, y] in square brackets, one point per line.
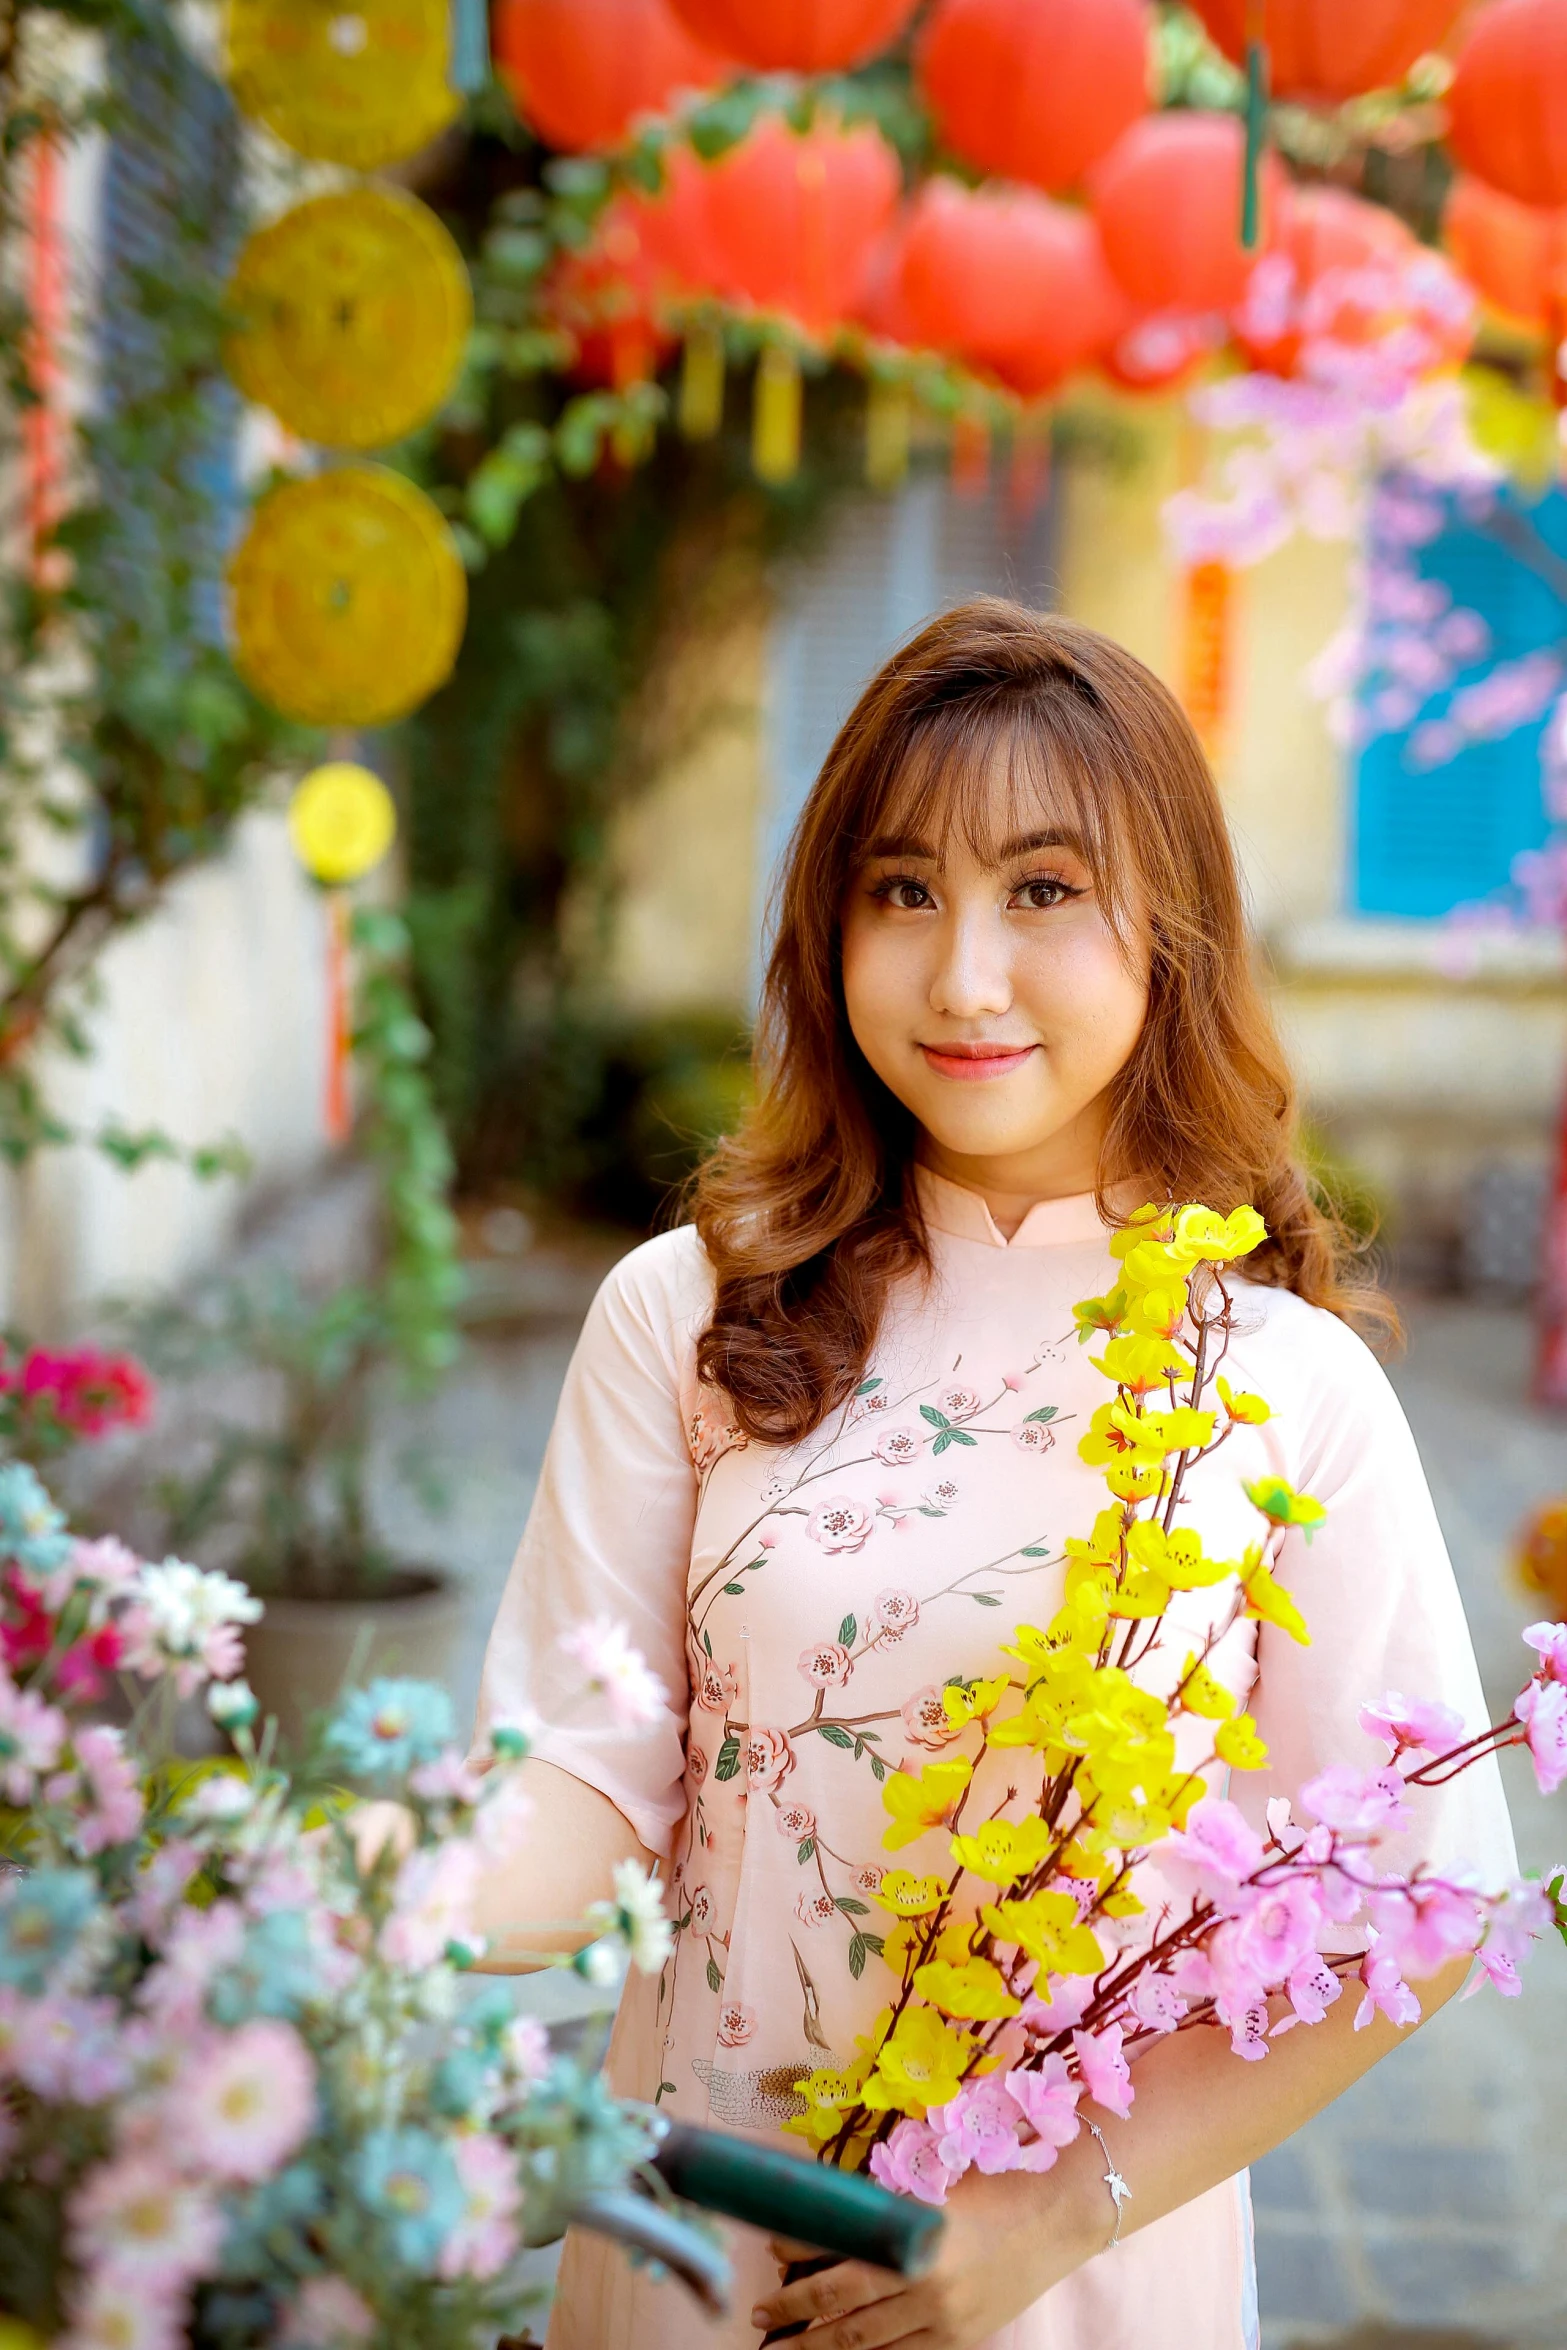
[972, 979]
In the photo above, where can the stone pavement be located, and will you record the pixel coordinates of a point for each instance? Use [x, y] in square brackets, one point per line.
[1427, 2210]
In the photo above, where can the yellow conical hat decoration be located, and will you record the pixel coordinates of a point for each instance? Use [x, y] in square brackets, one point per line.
[362, 83]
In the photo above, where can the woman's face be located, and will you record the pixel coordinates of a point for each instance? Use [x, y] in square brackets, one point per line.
[995, 1001]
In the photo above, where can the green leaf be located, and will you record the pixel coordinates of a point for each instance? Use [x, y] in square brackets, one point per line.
[959, 1436]
[859, 1948]
[734, 1591]
[807, 1850]
[681, 1924]
[834, 1735]
[1046, 1412]
[937, 1419]
[728, 1762]
[847, 1631]
[665, 2089]
[867, 1387]
[873, 1942]
[878, 1766]
[707, 1642]
[715, 1981]
[941, 1444]
[984, 1599]
[1034, 1550]
[852, 1908]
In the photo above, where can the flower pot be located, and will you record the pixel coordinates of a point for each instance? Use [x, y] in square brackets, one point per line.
[305, 1652]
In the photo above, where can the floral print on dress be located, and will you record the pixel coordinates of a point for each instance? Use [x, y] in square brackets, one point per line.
[736, 2024]
[926, 1720]
[769, 1757]
[841, 1524]
[827, 1665]
[717, 1686]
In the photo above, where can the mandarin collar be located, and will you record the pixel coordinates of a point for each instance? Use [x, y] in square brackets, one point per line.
[954, 1209]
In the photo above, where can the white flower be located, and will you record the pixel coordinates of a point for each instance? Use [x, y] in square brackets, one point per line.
[637, 1912]
[113, 2310]
[636, 1696]
[218, 1799]
[186, 1620]
[233, 1705]
[526, 2047]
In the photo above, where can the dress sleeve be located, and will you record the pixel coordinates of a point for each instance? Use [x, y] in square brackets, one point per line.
[609, 1535]
[1382, 1606]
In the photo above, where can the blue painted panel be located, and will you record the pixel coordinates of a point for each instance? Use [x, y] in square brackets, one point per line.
[1426, 840]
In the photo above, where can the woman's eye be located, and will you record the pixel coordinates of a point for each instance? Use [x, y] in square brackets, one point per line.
[1037, 897]
[907, 896]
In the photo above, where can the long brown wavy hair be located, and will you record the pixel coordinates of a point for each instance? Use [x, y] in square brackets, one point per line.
[809, 1213]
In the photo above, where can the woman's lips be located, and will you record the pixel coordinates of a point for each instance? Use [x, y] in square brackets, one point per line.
[976, 1060]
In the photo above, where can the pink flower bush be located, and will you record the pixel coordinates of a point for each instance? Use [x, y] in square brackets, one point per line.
[1385, 1990]
[112, 1810]
[1048, 2098]
[32, 1734]
[1105, 2073]
[840, 1525]
[1542, 1709]
[1353, 1803]
[910, 2163]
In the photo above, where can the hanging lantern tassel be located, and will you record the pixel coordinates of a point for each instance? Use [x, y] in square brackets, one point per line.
[970, 454]
[888, 417]
[1206, 650]
[1028, 477]
[702, 381]
[775, 415]
[1256, 124]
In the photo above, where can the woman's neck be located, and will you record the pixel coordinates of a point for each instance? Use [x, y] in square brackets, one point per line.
[1013, 1183]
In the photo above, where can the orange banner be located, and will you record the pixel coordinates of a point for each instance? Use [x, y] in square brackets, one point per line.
[1206, 650]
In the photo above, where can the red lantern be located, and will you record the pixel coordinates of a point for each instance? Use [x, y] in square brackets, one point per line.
[797, 36]
[1035, 90]
[1167, 198]
[1321, 52]
[1507, 108]
[1005, 281]
[1325, 240]
[1514, 255]
[582, 71]
[609, 297]
[1157, 349]
[793, 217]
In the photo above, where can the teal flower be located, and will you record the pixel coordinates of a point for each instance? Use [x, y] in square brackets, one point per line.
[275, 1974]
[41, 1922]
[383, 1731]
[32, 1530]
[409, 2180]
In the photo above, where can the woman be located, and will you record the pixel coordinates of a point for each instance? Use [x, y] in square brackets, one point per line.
[818, 1450]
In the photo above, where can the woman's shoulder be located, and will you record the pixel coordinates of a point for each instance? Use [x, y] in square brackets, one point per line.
[663, 1288]
[1312, 1356]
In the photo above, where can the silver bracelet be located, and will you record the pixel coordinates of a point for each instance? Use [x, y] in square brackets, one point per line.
[1120, 2192]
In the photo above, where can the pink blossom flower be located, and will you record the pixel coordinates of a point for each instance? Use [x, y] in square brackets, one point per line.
[109, 1782]
[1036, 1436]
[1070, 1998]
[942, 1496]
[113, 2309]
[526, 2045]
[1412, 1726]
[868, 1879]
[925, 1718]
[898, 1446]
[979, 2126]
[870, 1407]
[243, 2101]
[200, 1944]
[894, 1612]
[1357, 1803]
[1542, 1708]
[447, 1779]
[769, 1757]
[69, 2051]
[736, 2024]
[1155, 2002]
[1549, 1641]
[827, 1665]
[815, 1909]
[1014, 1380]
[1216, 1851]
[485, 2237]
[1191, 1971]
[326, 2314]
[1249, 2032]
[1424, 1924]
[1105, 2073]
[841, 1524]
[696, 1764]
[1048, 2096]
[703, 1908]
[137, 2214]
[618, 1671]
[1312, 1988]
[432, 1903]
[1278, 1925]
[717, 1687]
[769, 1539]
[1520, 1916]
[32, 1734]
[108, 1564]
[1281, 1827]
[959, 1403]
[910, 2163]
[1385, 1989]
[796, 1821]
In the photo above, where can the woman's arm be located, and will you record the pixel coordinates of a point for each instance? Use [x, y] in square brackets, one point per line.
[1201, 2114]
[563, 1858]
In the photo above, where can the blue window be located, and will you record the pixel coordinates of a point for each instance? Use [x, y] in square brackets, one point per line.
[1428, 838]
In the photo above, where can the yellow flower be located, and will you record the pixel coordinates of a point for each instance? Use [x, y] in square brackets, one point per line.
[1004, 1850]
[975, 1992]
[341, 821]
[1142, 1363]
[1201, 1694]
[1096, 1314]
[828, 2096]
[1143, 1224]
[1270, 1603]
[909, 1896]
[1103, 1547]
[1045, 1928]
[1204, 1236]
[1158, 1312]
[1139, 1593]
[972, 1700]
[1178, 1795]
[1154, 1264]
[923, 2064]
[919, 1804]
[1177, 1558]
[1250, 1410]
[1124, 1904]
[1281, 1505]
[1180, 1430]
[1117, 1433]
[1238, 1744]
[1131, 1483]
[1132, 1824]
[908, 1939]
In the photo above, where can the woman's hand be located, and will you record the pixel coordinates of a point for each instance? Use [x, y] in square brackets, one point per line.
[1007, 2240]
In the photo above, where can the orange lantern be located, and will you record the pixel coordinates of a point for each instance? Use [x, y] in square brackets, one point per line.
[583, 71]
[796, 36]
[1324, 237]
[793, 216]
[1514, 255]
[1321, 52]
[1005, 281]
[1167, 198]
[1154, 350]
[1035, 90]
[1507, 108]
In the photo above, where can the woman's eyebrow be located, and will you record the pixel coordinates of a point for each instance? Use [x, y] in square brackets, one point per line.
[901, 844]
[1024, 844]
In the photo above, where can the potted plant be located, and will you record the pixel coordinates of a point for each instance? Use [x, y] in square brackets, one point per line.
[279, 1490]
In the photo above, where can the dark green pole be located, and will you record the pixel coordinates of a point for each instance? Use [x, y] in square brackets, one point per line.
[1256, 133]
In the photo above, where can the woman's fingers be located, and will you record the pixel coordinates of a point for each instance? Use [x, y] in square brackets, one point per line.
[833, 2292]
[784, 2250]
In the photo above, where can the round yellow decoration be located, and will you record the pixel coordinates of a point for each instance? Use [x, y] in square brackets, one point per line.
[348, 598]
[356, 311]
[342, 822]
[363, 83]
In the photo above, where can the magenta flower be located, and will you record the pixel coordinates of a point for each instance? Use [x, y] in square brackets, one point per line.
[1105, 2072]
[1070, 1998]
[841, 1524]
[139, 2216]
[1357, 1803]
[769, 1757]
[1385, 1989]
[979, 2126]
[1410, 1726]
[1550, 1643]
[1048, 2096]
[1520, 1916]
[32, 1736]
[910, 2163]
[1542, 1709]
[1249, 2032]
[827, 1665]
[1424, 1924]
[114, 1807]
[67, 2050]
